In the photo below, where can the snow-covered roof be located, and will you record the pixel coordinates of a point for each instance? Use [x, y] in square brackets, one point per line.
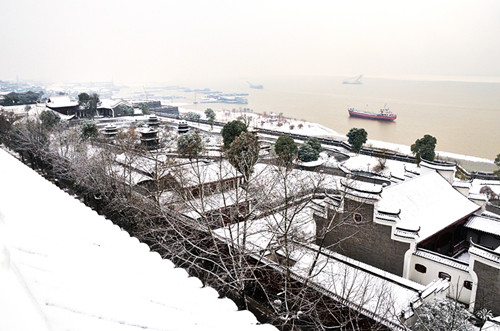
[363, 287]
[478, 196]
[110, 103]
[442, 259]
[488, 254]
[492, 325]
[427, 202]
[270, 179]
[64, 267]
[462, 184]
[60, 101]
[129, 176]
[484, 224]
[194, 208]
[159, 164]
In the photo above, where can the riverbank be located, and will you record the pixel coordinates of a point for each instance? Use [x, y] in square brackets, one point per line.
[291, 125]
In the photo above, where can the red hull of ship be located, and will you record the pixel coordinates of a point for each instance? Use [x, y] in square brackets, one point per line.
[372, 116]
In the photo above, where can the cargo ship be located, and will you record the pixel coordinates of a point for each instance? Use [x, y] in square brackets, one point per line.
[355, 81]
[256, 86]
[383, 115]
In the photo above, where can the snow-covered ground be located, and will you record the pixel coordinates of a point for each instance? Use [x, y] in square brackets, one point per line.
[64, 267]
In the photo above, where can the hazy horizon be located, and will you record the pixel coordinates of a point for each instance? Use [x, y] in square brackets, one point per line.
[181, 41]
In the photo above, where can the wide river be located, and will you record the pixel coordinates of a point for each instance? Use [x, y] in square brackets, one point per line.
[463, 116]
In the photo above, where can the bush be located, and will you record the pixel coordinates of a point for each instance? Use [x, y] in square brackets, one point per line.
[307, 153]
[442, 314]
[191, 116]
[315, 144]
[124, 110]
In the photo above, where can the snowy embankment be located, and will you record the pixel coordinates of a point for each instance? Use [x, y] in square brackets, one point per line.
[318, 130]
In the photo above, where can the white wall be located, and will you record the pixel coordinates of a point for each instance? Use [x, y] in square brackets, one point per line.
[433, 268]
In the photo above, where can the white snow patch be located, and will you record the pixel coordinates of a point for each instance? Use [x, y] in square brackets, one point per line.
[65, 267]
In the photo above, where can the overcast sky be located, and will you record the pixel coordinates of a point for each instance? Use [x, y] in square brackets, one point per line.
[145, 41]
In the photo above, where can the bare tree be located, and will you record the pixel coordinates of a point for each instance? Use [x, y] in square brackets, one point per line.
[199, 215]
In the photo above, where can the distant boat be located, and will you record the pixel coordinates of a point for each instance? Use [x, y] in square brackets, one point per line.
[355, 81]
[383, 115]
[258, 86]
[230, 99]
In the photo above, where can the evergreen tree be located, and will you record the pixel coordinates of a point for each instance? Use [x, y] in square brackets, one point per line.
[88, 104]
[232, 130]
[286, 150]
[423, 148]
[88, 130]
[442, 315]
[244, 153]
[190, 145]
[357, 137]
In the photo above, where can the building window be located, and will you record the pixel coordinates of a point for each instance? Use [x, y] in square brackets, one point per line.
[444, 275]
[421, 268]
[468, 285]
[357, 217]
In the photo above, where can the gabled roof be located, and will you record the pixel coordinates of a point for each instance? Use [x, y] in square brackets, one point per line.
[428, 204]
[64, 267]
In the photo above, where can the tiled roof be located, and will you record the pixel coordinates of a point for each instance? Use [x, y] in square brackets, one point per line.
[485, 224]
[484, 253]
[427, 202]
[445, 260]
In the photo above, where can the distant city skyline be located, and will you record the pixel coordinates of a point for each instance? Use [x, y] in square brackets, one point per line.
[186, 41]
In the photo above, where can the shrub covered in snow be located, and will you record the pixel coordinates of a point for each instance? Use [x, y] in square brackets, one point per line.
[442, 315]
[307, 153]
[190, 145]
